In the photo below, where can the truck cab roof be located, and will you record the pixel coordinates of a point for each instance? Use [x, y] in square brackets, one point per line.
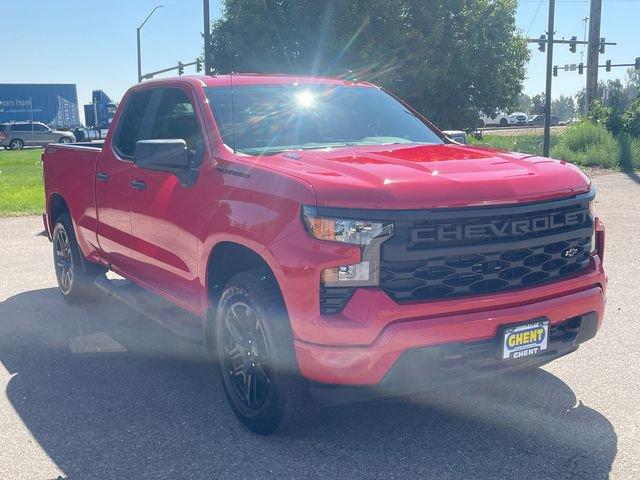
[258, 79]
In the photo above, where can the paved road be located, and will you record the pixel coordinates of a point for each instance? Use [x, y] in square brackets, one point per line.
[101, 392]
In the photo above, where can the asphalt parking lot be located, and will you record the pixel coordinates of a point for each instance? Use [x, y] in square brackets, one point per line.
[101, 392]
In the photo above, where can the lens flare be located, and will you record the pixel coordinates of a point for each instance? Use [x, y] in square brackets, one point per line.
[305, 99]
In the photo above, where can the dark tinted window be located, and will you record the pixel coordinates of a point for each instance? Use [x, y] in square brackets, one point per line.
[21, 127]
[131, 123]
[272, 118]
[39, 128]
[176, 119]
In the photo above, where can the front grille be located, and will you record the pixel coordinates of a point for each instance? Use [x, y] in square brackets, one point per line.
[447, 254]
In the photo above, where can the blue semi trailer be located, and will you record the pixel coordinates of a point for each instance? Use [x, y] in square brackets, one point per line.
[53, 104]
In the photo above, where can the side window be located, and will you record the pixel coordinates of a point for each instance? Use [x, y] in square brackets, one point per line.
[21, 127]
[39, 128]
[177, 119]
[130, 128]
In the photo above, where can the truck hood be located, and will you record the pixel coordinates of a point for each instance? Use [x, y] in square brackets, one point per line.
[428, 176]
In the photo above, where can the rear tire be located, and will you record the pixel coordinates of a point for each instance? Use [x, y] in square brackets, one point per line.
[75, 275]
[16, 144]
[65, 140]
[254, 349]
[504, 122]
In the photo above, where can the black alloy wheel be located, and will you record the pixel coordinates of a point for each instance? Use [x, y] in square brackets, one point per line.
[246, 354]
[63, 258]
[254, 349]
[74, 273]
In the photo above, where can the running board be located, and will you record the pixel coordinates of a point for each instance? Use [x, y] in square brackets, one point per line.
[166, 314]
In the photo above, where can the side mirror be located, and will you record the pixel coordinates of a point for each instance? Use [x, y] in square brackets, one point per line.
[163, 155]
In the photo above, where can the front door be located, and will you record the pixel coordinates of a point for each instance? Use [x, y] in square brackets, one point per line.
[164, 213]
[114, 174]
[41, 135]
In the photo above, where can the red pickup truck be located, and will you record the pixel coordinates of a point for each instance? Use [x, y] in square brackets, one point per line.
[329, 243]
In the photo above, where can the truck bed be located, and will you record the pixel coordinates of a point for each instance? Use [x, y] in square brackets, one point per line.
[69, 172]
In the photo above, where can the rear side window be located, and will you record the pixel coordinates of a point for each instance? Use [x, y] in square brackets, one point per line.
[131, 123]
[21, 127]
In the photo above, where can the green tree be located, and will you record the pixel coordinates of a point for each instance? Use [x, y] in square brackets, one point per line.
[563, 107]
[538, 101]
[449, 58]
[614, 93]
[631, 119]
[524, 103]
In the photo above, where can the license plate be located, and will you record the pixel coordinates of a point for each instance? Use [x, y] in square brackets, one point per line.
[525, 340]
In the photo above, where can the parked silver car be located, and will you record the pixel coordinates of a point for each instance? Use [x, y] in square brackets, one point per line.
[17, 135]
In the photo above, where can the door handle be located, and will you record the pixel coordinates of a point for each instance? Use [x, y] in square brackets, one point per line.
[138, 185]
[102, 177]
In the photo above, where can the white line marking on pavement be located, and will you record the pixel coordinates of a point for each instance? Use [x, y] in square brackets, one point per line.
[95, 343]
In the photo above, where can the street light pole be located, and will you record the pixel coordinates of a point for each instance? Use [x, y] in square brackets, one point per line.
[207, 37]
[138, 41]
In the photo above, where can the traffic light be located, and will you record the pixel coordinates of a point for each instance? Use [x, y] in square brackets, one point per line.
[180, 68]
[602, 45]
[608, 66]
[542, 43]
[198, 65]
[637, 63]
[573, 44]
[581, 68]
[555, 70]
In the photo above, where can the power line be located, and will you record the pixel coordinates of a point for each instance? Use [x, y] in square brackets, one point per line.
[534, 17]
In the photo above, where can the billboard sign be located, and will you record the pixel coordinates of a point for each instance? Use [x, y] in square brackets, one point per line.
[53, 104]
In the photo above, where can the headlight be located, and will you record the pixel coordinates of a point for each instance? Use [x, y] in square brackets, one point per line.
[354, 232]
[368, 234]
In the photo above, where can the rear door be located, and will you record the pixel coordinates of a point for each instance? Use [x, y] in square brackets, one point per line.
[22, 131]
[114, 173]
[164, 213]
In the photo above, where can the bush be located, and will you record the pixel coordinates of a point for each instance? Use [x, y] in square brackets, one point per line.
[608, 117]
[635, 152]
[588, 144]
[631, 119]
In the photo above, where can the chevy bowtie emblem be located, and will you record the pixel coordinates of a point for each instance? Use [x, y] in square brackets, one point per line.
[569, 252]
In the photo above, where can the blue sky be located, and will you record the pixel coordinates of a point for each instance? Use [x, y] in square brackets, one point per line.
[74, 42]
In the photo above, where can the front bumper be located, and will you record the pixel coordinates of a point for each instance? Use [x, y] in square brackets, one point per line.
[421, 369]
[369, 364]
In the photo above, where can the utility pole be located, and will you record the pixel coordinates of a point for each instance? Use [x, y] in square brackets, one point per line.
[547, 100]
[207, 38]
[593, 51]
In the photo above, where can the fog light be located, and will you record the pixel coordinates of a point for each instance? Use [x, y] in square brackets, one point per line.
[358, 274]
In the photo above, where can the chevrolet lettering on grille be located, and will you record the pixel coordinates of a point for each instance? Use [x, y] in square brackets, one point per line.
[499, 229]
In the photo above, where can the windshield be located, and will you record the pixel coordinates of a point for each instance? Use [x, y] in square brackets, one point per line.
[268, 119]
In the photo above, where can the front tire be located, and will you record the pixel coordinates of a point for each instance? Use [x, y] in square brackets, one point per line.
[65, 140]
[254, 349]
[74, 274]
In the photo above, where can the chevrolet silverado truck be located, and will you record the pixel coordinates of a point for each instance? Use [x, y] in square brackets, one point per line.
[327, 243]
